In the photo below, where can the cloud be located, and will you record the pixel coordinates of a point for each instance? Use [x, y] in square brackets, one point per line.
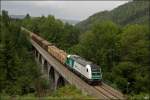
[77, 10]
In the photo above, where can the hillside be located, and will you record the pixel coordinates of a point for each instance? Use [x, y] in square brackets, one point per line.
[129, 13]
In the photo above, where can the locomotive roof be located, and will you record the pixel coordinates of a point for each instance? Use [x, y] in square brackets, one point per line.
[84, 62]
[80, 60]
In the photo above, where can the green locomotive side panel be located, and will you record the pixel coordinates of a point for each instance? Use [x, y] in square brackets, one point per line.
[70, 62]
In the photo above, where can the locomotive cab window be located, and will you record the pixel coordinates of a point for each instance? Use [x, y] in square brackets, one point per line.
[87, 70]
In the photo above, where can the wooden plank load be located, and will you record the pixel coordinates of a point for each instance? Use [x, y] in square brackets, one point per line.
[45, 44]
[58, 53]
[63, 56]
[53, 51]
[37, 39]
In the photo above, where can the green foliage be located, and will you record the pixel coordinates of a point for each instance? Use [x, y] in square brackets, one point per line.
[69, 91]
[5, 18]
[42, 86]
[53, 30]
[140, 96]
[100, 44]
[134, 44]
[122, 53]
[17, 67]
[18, 97]
[134, 56]
[123, 73]
[19, 74]
[70, 37]
[135, 12]
[30, 23]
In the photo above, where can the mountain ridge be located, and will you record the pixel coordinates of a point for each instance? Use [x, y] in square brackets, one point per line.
[135, 12]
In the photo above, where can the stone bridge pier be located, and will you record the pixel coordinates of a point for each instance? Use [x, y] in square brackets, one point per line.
[55, 79]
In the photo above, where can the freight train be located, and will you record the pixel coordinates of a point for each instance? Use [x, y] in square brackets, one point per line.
[87, 70]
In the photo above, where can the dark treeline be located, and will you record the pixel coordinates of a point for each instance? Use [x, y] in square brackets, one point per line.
[122, 53]
[19, 73]
[133, 12]
[18, 70]
[54, 30]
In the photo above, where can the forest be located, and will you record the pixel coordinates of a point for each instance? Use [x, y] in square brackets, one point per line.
[20, 76]
[122, 52]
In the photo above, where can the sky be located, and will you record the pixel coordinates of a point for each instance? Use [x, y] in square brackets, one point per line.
[72, 10]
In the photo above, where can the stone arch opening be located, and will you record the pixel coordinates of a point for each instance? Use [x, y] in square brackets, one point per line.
[51, 75]
[36, 53]
[60, 82]
[40, 58]
[45, 66]
[52, 78]
[32, 48]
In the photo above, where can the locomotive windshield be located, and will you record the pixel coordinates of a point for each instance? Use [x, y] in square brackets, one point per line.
[95, 68]
[96, 72]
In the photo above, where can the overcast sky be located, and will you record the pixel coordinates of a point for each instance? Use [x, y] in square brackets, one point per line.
[75, 10]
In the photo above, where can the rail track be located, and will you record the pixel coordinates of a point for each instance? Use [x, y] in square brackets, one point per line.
[109, 92]
[112, 90]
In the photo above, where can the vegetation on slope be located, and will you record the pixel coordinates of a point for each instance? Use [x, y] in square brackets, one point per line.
[54, 30]
[66, 92]
[136, 12]
[119, 41]
[123, 54]
[17, 67]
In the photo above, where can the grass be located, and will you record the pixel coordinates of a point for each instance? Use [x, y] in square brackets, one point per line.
[66, 92]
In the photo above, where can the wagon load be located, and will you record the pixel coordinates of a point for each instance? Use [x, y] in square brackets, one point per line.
[63, 56]
[57, 53]
[51, 50]
[37, 39]
[45, 44]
